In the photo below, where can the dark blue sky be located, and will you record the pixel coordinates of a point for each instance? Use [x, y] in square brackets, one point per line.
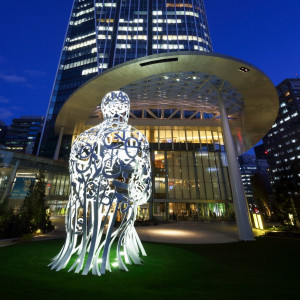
[264, 33]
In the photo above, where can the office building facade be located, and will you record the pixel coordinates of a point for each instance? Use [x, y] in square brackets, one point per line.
[248, 167]
[3, 131]
[282, 143]
[23, 135]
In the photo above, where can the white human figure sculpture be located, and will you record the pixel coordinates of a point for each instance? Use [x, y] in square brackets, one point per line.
[110, 174]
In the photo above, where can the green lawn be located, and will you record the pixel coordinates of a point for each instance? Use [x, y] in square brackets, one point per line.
[265, 269]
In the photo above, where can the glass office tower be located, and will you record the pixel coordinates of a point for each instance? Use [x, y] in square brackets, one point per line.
[103, 34]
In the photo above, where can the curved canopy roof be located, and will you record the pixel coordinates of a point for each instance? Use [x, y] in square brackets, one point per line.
[184, 80]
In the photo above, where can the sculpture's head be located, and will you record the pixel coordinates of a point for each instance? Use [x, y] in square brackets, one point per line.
[115, 107]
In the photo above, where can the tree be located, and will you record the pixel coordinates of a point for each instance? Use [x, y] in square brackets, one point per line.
[260, 194]
[34, 210]
[284, 201]
[9, 222]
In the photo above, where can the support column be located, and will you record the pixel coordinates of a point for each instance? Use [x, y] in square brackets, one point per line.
[10, 181]
[239, 200]
[58, 143]
[150, 203]
[167, 211]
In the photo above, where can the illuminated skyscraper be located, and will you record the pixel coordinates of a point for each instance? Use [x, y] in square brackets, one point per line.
[282, 143]
[103, 34]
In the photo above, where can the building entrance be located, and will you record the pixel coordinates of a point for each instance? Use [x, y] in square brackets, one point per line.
[188, 211]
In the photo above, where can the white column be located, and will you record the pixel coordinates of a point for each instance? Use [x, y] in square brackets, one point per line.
[239, 200]
[10, 181]
[55, 157]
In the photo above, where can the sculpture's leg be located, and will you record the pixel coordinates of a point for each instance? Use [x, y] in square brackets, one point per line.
[70, 242]
[94, 234]
[105, 257]
[131, 244]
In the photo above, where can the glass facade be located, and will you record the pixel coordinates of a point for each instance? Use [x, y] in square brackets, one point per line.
[102, 34]
[19, 170]
[190, 173]
[191, 183]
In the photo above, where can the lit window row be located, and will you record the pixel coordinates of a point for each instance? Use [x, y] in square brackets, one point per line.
[132, 21]
[131, 28]
[178, 13]
[78, 22]
[180, 5]
[104, 37]
[106, 5]
[87, 43]
[94, 70]
[135, 37]
[157, 29]
[169, 21]
[187, 13]
[109, 28]
[89, 71]
[179, 37]
[123, 46]
[15, 148]
[83, 4]
[83, 12]
[80, 37]
[166, 46]
[107, 20]
[80, 63]
[294, 114]
[196, 47]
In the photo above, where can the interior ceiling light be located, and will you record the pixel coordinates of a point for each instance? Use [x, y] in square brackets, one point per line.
[244, 69]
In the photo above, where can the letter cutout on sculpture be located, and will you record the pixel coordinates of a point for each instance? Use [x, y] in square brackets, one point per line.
[110, 174]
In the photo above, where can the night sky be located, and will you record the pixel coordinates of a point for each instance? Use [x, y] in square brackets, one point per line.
[264, 33]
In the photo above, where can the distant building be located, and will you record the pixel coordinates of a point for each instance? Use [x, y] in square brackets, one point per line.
[248, 167]
[282, 142]
[3, 130]
[260, 152]
[263, 166]
[24, 133]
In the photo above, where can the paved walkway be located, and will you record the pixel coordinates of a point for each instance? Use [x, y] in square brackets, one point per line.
[190, 233]
[187, 232]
